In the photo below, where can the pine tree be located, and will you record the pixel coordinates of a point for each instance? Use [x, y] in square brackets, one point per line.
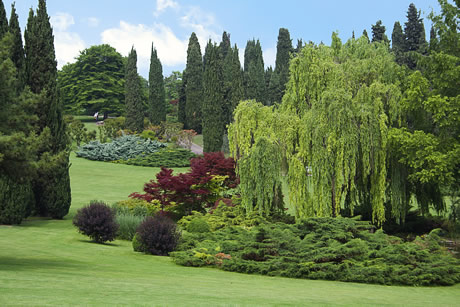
[17, 50]
[156, 90]
[398, 43]
[283, 53]
[133, 102]
[378, 33]
[213, 128]
[194, 87]
[52, 186]
[3, 20]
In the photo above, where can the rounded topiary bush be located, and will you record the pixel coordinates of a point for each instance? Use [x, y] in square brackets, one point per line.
[158, 235]
[97, 221]
[198, 225]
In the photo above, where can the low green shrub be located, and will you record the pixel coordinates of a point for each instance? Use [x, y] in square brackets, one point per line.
[128, 225]
[198, 225]
[137, 207]
[137, 245]
[165, 157]
[122, 148]
[339, 249]
[97, 221]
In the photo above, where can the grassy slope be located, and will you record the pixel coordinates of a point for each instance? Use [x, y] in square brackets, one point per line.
[46, 262]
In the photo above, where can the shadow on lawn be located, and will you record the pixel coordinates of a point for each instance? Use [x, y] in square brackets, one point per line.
[26, 264]
[102, 244]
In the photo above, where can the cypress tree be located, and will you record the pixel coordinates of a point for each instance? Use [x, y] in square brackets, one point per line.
[194, 87]
[237, 87]
[254, 72]
[133, 102]
[414, 32]
[378, 33]
[156, 90]
[182, 101]
[366, 35]
[17, 50]
[268, 94]
[3, 20]
[398, 43]
[52, 186]
[213, 126]
[283, 53]
[225, 45]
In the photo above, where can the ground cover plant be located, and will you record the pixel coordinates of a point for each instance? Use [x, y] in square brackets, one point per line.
[340, 249]
[122, 148]
[165, 157]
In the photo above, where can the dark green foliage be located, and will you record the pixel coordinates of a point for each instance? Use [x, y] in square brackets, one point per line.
[398, 43]
[157, 104]
[97, 221]
[378, 33]
[133, 103]
[237, 86]
[17, 50]
[15, 199]
[165, 157]
[415, 41]
[181, 114]
[212, 111]
[158, 235]
[283, 53]
[122, 148]
[366, 35]
[3, 20]
[254, 72]
[322, 248]
[194, 85]
[95, 82]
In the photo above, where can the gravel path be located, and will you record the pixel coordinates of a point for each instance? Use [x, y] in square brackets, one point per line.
[197, 149]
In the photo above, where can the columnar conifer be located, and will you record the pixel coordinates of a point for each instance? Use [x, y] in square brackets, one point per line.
[181, 115]
[283, 53]
[156, 90]
[17, 50]
[3, 20]
[133, 104]
[378, 32]
[194, 86]
[398, 45]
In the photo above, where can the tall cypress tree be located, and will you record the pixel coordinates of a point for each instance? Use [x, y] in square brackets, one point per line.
[213, 126]
[254, 72]
[237, 87]
[414, 32]
[181, 115]
[283, 53]
[378, 32]
[366, 35]
[194, 87]
[17, 49]
[156, 90]
[52, 187]
[3, 20]
[133, 102]
[398, 43]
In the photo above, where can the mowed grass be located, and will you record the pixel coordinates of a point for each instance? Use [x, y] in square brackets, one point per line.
[47, 262]
[198, 139]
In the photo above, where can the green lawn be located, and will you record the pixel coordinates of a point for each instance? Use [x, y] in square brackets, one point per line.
[46, 262]
[198, 139]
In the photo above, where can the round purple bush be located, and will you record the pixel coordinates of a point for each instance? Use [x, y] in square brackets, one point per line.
[158, 235]
[97, 221]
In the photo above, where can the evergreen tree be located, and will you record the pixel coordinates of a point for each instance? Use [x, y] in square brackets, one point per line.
[299, 47]
[398, 43]
[194, 86]
[237, 87]
[414, 32]
[225, 45]
[52, 186]
[3, 20]
[268, 76]
[226, 56]
[213, 128]
[156, 90]
[283, 53]
[366, 35]
[254, 71]
[378, 33]
[134, 108]
[433, 40]
[181, 115]
[17, 50]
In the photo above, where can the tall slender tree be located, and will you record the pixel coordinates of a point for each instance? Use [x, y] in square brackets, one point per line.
[398, 43]
[17, 49]
[133, 104]
[414, 32]
[194, 87]
[52, 187]
[156, 90]
[254, 72]
[181, 115]
[237, 92]
[3, 20]
[366, 35]
[213, 125]
[283, 54]
[378, 32]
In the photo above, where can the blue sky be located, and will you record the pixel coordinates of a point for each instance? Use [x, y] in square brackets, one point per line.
[79, 24]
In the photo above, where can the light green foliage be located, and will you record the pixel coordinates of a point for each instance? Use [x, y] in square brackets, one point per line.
[125, 147]
[78, 132]
[136, 207]
[95, 82]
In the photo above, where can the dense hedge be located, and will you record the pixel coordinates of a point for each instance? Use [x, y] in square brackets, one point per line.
[165, 157]
[322, 248]
[122, 148]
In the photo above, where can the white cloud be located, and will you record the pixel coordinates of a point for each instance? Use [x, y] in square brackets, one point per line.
[269, 55]
[61, 21]
[68, 46]
[92, 22]
[202, 23]
[164, 4]
[171, 50]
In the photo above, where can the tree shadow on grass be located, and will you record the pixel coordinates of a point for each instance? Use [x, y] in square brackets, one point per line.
[26, 264]
[103, 244]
